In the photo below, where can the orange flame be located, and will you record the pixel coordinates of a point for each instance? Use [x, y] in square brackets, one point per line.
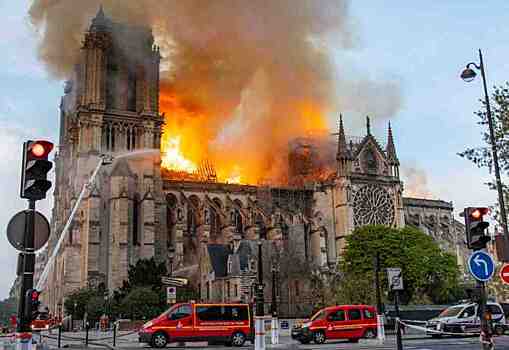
[188, 136]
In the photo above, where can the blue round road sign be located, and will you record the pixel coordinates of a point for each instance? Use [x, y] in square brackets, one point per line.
[481, 266]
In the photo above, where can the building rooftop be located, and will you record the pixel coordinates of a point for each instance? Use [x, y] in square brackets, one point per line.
[427, 203]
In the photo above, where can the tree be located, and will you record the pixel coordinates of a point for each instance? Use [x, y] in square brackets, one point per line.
[142, 303]
[85, 300]
[143, 295]
[430, 275]
[145, 273]
[482, 155]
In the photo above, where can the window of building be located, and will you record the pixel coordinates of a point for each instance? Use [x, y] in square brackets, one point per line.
[215, 225]
[354, 314]
[191, 222]
[297, 291]
[171, 204]
[237, 221]
[370, 161]
[235, 290]
[228, 289]
[207, 287]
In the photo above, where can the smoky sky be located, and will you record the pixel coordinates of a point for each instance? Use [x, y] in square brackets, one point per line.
[262, 63]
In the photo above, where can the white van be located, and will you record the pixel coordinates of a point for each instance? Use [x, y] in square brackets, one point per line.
[463, 319]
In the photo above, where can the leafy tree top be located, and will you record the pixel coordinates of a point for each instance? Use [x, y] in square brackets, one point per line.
[427, 270]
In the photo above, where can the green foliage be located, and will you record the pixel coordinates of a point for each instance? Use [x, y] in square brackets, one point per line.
[146, 273]
[142, 296]
[86, 300]
[482, 155]
[142, 303]
[430, 275]
[145, 277]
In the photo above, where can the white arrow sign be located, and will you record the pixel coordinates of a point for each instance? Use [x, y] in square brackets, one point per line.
[478, 261]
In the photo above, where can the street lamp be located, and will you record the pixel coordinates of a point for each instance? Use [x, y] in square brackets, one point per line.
[259, 320]
[259, 288]
[469, 75]
[274, 270]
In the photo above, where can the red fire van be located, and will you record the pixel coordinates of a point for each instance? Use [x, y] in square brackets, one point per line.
[350, 322]
[227, 323]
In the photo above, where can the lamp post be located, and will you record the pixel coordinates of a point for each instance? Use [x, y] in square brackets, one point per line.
[380, 320]
[274, 308]
[469, 75]
[259, 320]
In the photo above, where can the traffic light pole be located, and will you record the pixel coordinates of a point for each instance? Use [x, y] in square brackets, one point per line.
[23, 330]
[486, 336]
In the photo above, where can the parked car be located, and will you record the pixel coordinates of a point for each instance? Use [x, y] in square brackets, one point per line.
[227, 323]
[350, 322]
[463, 318]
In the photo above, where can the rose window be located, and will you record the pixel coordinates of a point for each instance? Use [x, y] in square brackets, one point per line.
[373, 205]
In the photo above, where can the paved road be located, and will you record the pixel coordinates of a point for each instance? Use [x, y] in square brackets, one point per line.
[129, 341]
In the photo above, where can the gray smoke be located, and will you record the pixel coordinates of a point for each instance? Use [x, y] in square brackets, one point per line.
[261, 63]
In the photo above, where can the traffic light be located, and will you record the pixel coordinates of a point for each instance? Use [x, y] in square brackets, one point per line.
[34, 170]
[31, 305]
[475, 227]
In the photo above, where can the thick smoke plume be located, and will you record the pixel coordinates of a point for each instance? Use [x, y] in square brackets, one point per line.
[241, 77]
[416, 183]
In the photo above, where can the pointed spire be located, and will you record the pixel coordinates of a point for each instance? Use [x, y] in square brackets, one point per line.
[100, 13]
[391, 149]
[368, 125]
[100, 22]
[343, 151]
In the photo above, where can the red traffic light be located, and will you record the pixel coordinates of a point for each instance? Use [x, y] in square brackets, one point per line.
[478, 213]
[40, 149]
[35, 295]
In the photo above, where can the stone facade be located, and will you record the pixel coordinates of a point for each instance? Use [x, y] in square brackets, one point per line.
[110, 106]
[132, 211]
[435, 218]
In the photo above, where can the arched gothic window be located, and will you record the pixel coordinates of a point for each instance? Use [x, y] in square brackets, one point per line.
[171, 217]
[370, 162]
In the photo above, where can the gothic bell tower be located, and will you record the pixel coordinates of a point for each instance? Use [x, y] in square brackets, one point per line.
[110, 106]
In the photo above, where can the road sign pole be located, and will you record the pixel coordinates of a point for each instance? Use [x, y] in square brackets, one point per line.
[23, 330]
[399, 341]
[486, 338]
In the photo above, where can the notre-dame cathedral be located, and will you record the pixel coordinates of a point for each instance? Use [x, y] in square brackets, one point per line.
[207, 231]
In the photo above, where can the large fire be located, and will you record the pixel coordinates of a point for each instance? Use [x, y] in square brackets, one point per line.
[188, 136]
